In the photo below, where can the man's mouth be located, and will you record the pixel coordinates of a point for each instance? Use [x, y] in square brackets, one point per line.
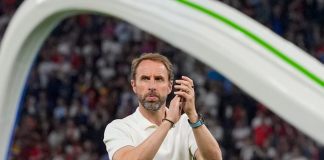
[152, 97]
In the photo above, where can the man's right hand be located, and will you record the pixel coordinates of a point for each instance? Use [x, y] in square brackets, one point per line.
[174, 112]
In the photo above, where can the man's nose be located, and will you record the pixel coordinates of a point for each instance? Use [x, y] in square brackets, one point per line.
[152, 85]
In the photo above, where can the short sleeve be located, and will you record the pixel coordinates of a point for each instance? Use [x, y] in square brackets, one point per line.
[116, 137]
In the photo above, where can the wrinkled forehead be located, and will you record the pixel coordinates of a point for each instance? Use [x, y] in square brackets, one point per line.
[151, 68]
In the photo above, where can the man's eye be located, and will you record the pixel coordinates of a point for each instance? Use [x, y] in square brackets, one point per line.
[145, 78]
[159, 79]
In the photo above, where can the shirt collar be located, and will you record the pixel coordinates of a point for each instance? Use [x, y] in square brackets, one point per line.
[142, 121]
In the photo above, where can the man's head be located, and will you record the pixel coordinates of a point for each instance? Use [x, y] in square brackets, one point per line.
[153, 57]
[152, 77]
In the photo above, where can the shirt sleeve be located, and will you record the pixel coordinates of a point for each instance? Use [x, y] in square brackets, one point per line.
[116, 137]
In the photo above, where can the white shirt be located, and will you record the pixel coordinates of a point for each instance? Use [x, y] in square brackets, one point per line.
[179, 144]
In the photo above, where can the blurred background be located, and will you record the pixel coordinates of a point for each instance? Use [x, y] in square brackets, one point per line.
[79, 82]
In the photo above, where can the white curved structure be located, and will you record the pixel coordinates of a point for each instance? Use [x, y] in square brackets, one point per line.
[266, 66]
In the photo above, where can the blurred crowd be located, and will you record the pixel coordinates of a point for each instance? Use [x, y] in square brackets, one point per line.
[79, 82]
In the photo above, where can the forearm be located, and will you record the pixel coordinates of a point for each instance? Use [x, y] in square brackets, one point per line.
[207, 145]
[148, 149]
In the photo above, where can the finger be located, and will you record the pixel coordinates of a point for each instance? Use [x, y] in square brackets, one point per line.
[175, 100]
[182, 94]
[187, 79]
[183, 82]
[183, 88]
[175, 104]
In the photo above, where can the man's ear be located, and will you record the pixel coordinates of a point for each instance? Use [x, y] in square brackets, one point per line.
[133, 85]
[170, 86]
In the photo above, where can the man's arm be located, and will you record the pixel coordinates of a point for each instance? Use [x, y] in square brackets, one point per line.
[208, 147]
[150, 146]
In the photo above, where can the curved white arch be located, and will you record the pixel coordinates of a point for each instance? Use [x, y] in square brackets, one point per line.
[192, 26]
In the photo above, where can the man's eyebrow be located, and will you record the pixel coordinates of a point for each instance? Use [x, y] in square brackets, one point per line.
[144, 76]
[159, 76]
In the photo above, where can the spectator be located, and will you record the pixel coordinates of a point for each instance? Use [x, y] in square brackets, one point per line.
[79, 83]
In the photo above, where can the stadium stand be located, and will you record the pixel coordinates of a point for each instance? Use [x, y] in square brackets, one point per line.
[80, 82]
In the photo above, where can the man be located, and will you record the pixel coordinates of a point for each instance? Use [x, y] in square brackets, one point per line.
[154, 131]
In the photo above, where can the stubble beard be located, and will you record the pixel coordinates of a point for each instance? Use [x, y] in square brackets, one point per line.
[152, 105]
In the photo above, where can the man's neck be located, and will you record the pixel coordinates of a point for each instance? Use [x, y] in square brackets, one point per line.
[154, 117]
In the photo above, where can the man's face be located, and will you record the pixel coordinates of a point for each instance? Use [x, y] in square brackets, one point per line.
[151, 84]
